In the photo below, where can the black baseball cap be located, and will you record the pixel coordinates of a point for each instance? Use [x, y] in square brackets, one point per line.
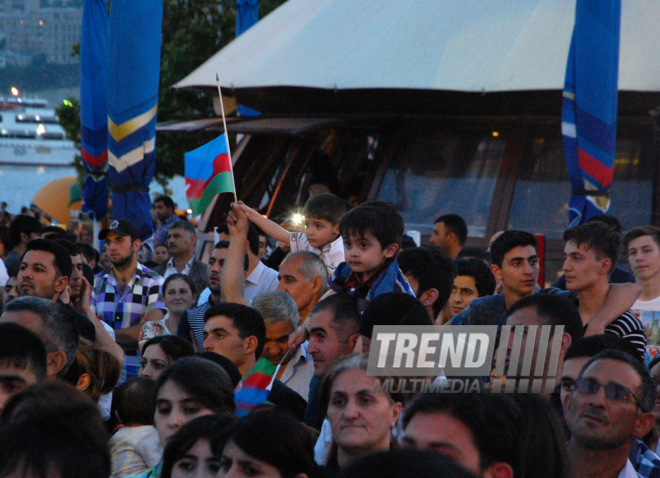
[122, 228]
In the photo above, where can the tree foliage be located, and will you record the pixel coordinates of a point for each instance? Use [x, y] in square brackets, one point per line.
[193, 31]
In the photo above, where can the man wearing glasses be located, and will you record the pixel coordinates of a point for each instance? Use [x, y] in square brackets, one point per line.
[609, 407]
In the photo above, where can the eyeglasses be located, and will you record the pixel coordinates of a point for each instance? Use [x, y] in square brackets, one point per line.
[613, 391]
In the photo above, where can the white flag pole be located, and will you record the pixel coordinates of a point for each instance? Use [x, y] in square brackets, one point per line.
[224, 123]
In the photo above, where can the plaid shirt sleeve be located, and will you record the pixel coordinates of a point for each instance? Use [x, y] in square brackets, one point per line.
[154, 287]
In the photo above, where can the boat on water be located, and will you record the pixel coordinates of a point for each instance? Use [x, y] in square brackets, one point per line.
[30, 134]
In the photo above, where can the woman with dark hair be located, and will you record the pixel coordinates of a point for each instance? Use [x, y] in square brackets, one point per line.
[195, 450]
[270, 443]
[53, 430]
[160, 352]
[361, 418]
[542, 441]
[191, 387]
[178, 295]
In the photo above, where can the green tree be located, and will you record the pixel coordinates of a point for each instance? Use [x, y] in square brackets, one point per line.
[193, 31]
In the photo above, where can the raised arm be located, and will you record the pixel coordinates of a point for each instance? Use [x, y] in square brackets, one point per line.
[271, 228]
[232, 277]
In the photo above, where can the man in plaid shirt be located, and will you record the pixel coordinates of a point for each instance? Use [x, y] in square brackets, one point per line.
[129, 294]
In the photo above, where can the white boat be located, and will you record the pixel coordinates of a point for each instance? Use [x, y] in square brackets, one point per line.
[30, 134]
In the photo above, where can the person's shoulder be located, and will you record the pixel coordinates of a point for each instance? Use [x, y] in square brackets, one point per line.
[160, 269]
[144, 271]
[488, 302]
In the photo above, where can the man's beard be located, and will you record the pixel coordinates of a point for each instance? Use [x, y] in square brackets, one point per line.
[122, 263]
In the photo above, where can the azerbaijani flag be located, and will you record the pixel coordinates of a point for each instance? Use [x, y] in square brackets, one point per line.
[254, 387]
[208, 172]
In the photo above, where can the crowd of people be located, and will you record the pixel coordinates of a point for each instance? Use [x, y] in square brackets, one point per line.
[145, 361]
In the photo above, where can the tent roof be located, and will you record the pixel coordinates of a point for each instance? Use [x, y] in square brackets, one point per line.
[464, 45]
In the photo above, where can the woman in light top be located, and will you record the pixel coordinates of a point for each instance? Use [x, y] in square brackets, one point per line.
[179, 294]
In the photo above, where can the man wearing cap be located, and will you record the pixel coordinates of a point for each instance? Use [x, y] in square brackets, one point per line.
[129, 294]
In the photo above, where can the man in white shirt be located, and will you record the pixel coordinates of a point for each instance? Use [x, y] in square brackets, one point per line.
[643, 245]
[181, 242]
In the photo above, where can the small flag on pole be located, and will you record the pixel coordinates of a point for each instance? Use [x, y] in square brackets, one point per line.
[254, 388]
[208, 172]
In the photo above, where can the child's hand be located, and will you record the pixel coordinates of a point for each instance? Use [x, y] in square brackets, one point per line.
[298, 337]
[247, 210]
[237, 221]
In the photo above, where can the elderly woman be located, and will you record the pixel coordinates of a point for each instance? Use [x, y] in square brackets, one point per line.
[361, 418]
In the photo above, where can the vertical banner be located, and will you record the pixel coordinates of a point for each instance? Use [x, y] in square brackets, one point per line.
[247, 14]
[134, 67]
[589, 109]
[94, 107]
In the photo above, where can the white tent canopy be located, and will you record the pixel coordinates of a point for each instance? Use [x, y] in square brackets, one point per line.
[464, 45]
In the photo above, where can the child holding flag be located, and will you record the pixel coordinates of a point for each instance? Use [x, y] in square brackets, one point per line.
[322, 215]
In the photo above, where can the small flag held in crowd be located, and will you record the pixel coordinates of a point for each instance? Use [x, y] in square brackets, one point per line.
[208, 172]
[254, 387]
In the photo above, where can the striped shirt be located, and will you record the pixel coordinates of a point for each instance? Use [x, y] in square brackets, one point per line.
[626, 326]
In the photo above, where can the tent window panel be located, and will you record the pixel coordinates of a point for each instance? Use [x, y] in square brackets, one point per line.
[438, 173]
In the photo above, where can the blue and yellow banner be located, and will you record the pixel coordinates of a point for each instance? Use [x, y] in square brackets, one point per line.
[134, 68]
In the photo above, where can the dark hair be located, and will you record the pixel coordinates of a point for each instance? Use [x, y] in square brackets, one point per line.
[52, 232]
[222, 245]
[203, 380]
[595, 344]
[637, 232]
[393, 308]
[172, 345]
[62, 261]
[509, 240]
[23, 225]
[279, 440]
[432, 269]
[166, 200]
[246, 320]
[103, 369]
[611, 221]
[227, 365]
[325, 206]
[494, 420]
[59, 331]
[541, 438]
[53, 429]
[480, 272]
[185, 225]
[556, 310]
[378, 218]
[647, 387]
[345, 316]
[253, 239]
[5, 238]
[134, 401]
[474, 252]
[88, 251]
[405, 462]
[184, 277]
[456, 224]
[596, 235]
[66, 243]
[23, 349]
[213, 428]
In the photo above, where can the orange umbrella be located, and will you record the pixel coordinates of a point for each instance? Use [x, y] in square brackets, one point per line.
[58, 198]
